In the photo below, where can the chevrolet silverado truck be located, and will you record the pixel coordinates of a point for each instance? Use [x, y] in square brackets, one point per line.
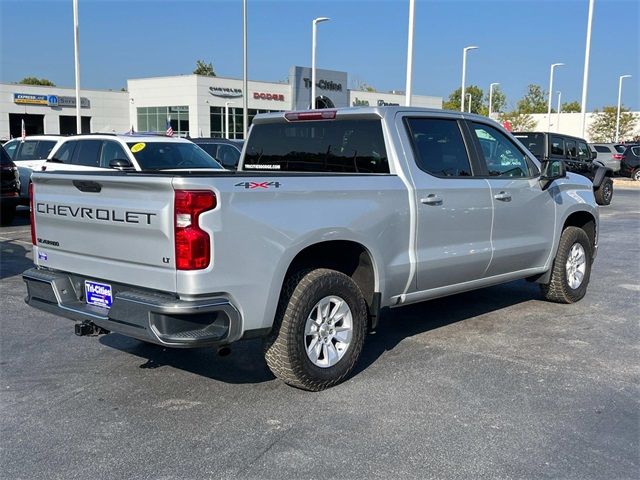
[332, 217]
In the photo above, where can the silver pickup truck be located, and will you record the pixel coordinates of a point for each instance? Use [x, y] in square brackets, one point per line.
[332, 217]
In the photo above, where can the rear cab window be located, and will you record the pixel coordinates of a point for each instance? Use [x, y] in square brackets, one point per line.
[335, 146]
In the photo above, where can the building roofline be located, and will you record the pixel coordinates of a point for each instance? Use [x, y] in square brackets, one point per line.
[82, 89]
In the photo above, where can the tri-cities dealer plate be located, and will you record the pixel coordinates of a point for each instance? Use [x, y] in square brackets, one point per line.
[99, 294]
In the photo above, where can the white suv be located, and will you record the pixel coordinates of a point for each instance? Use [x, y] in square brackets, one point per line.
[30, 155]
[127, 152]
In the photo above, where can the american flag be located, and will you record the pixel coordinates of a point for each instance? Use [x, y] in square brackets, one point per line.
[169, 129]
[24, 131]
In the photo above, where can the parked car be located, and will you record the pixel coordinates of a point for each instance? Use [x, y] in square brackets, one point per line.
[608, 154]
[630, 163]
[577, 156]
[29, 156]
[226, 152]
[91, 152]
[332, 216]
[9, 188]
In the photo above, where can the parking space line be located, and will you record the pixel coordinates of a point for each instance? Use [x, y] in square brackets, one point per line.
[15, 240]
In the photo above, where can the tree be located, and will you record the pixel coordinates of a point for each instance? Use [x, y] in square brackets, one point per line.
[36, 81]
[203, 68]
[520, 122]
[477, 99]
[603, 127]
[498, 101]
[534, 101]
[571, 107]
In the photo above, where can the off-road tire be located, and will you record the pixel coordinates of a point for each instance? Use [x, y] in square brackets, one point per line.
[285, 348]
[558, 289]
[604, 193]
[7, 214]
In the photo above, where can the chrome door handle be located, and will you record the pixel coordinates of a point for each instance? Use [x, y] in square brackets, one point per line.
[503, 196]
[431, 199]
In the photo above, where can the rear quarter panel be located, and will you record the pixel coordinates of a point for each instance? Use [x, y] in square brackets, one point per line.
[257, 232]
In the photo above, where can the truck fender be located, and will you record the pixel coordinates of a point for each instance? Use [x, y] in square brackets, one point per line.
[601, 173]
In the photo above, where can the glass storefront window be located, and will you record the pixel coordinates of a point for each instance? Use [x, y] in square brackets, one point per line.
[154, 119]
[235, 121]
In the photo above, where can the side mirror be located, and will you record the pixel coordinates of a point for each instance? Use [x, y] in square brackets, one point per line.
[594, 155]
[551, 170]
[120, 164]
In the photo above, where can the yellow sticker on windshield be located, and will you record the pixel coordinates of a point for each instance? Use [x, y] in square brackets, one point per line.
[137, 147]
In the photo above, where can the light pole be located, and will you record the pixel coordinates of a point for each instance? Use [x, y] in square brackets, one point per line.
[469, 102]
[76, 58]
[314, 29]
[412, 9]
[559, 108]
[491, 97]
[553, 66]
[245, 80]
[464, 73]
[226, 119]
[619, 103]
[585, 77]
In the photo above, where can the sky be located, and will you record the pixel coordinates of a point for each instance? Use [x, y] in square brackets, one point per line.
[518, 40]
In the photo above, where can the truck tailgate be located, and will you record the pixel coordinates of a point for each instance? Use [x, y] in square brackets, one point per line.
[110, 227]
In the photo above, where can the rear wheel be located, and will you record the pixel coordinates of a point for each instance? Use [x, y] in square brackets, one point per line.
[604, 193]
[319, 330]
[571, 268]
[636, 175]
[7, 214]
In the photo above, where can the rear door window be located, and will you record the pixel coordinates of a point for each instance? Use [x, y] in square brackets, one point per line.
[572, 151]
[439, 147]
[337, 146]
[557, 146]
[602, 149]
[44, 148]
[87, 153]
[27, 150]
[11, 147]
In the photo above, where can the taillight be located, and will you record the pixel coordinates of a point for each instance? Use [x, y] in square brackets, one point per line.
[618, 156]
[310, 115]
[32, 214]
[193, 245]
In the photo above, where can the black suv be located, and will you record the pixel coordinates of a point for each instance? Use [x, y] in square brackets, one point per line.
[577, 156]
[10, 188]
[226, 152]
[630, 163]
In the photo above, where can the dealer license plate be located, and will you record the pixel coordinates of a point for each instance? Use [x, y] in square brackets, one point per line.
[99, 294]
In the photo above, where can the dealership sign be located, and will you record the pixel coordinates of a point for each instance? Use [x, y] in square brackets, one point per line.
[324, 85]
[48, 100]
[268, 96]
[225, 92]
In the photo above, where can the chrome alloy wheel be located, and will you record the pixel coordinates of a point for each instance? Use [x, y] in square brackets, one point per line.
[576, 266]
[328, 331]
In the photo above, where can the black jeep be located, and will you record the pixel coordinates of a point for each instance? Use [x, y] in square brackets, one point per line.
[577, 157]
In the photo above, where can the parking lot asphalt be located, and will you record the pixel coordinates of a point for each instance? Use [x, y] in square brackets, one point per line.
[494, 383]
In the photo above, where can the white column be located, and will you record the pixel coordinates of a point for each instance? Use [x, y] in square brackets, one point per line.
[76, 58]
[553, 66]
[245, 78]
[585, 77]
[622, 77]
[412, 8]
[314, 34]
[559, 108]
[464, 74]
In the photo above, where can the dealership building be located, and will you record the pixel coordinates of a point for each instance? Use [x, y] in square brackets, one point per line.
[194, 105]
